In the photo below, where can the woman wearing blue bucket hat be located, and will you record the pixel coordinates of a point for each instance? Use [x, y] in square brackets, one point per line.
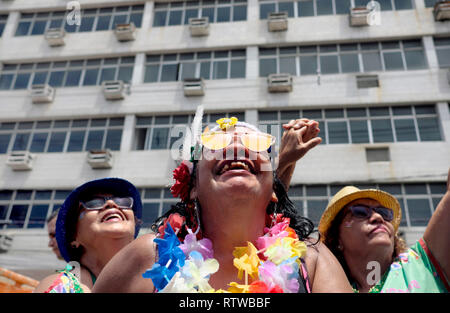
[96, 220]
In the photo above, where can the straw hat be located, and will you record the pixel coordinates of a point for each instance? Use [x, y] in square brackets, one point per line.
[351, 193]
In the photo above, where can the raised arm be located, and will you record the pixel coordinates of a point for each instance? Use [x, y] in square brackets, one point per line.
[298, 138]
[123, 273]
[437, 233]
[325, 271]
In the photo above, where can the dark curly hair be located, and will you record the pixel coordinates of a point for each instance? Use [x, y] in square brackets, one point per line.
[302, 225]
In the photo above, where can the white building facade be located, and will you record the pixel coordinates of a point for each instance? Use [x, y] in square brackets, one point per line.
[381, 94]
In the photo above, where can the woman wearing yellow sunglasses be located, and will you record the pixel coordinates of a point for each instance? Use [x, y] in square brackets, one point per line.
[235, 229]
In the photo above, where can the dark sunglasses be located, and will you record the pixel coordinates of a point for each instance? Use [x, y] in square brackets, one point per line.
[97, 203]
[363, 211]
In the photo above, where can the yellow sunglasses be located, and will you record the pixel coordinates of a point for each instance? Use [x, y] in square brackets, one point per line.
[257, 142]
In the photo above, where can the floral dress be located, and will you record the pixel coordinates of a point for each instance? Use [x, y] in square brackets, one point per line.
[414, 271]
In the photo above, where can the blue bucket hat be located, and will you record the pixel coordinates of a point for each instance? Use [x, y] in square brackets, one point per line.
[68, 213]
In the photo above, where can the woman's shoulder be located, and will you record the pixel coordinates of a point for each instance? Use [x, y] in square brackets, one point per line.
[139, 251]
[143, 246]
[46, 283]
[123, 273]
[56, 283]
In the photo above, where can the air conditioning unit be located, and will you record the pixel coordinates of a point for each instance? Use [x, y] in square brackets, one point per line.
[441, 11]
[367, 81]
[279, 83]
[277, 21]
[115, 89]
[193, 87]
[199, 26]
[20, 160]
[5, 243]
[100, 158]
[125, 32]
[42, 93]
[55, 36]
[359, 16]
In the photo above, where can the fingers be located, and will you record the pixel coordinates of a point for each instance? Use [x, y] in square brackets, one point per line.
[296, 124]
[312, 143]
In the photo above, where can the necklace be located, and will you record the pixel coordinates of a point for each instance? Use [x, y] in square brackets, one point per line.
[272, 262]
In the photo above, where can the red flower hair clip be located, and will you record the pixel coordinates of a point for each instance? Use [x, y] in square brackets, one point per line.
[182, 176]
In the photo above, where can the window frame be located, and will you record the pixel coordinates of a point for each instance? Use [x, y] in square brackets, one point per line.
[368, 118]
[67, 130]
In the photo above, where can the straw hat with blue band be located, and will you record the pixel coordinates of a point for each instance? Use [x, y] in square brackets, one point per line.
[69, 209]
[351, 193]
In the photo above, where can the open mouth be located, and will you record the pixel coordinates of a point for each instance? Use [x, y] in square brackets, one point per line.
[112, 216]
[230, 165]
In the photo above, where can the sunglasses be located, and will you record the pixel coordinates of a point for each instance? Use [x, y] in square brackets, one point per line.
[256, 142]
[363, 211]
[98, 203]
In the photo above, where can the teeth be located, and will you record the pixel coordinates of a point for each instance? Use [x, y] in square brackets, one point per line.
[224, 169]
[233, 165]
[112, 216]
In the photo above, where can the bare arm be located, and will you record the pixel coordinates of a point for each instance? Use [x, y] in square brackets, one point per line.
[45, 283]
[123, 273]
[299, 137]
[325, 271]
[437, 233]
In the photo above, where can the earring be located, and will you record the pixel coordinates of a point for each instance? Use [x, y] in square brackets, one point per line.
[194, 215]
[197, 215]
[340, 247]
[274, 215]
[75, 245]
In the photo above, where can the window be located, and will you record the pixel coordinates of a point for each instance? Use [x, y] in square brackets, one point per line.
[305, 8]
[388, 5]
[430, 3]
[61, 135]
[155, 202]
[217, 11]
[417, 200]
[29, 208]
[362, 125]
[167, 131]
[343, 58]
[72, 73]
[91, 20]
[442, 46]
[3, 19]
[207, 65]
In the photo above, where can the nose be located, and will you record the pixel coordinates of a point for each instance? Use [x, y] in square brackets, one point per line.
[109, 204]
[376, 218]
[236, 150]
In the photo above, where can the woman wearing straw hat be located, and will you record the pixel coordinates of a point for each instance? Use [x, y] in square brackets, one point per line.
[96, 220]
[235, 229]
[361, 228]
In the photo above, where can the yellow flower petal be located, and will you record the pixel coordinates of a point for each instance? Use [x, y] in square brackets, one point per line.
[237, 288]
[226, 123]
[246, 260]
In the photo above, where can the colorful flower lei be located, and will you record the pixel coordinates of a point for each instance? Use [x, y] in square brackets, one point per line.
[273, 263]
